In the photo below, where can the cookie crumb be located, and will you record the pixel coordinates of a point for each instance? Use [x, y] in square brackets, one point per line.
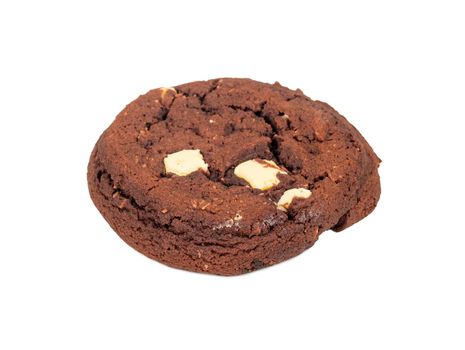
[123, 204]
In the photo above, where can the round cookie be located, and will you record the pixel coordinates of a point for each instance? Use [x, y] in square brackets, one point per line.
[227, 176]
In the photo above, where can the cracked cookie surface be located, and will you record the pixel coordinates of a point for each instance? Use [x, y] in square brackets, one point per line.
[213, 221]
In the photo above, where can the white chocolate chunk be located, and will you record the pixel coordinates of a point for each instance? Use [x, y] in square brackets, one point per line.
[164, 91]
[259, 173]
[184, 162]
[287, 197]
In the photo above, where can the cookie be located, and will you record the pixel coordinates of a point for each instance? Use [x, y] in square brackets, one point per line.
[227, 176]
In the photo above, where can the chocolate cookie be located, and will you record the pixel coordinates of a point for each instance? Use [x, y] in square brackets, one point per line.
[227, 176]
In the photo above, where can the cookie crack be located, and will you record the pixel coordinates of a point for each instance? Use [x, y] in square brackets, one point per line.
[273, 146]
[318, 179]
[215, 84]
[161, 117]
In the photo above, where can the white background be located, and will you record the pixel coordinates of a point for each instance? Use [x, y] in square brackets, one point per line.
[393, 281]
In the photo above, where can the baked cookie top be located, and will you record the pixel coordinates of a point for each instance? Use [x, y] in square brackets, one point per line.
[229, 158]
